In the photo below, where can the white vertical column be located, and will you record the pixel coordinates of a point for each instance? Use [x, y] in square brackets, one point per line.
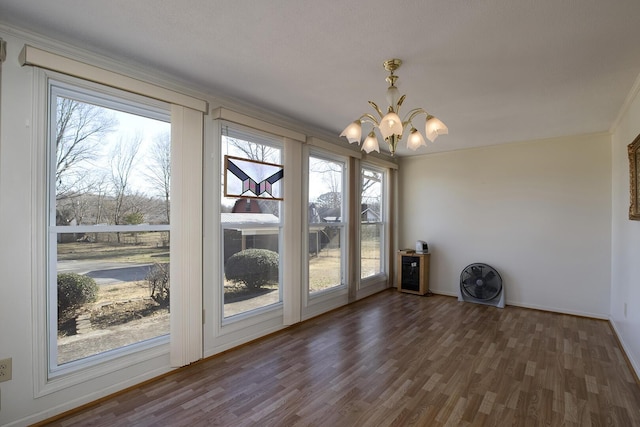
[391, 228]
[293, 237]
[3, 56]
[354, 255]
[186, 235]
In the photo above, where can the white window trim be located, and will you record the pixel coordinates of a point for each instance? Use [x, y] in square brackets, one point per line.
[68, 87]
[220, 334]
[50, 61]
[256, 125]
[241, 124]
[385, 249]
[327, 299]
[187, 138]
[342, 150]
[234, 323]
[341, 289]
[377, 162]
[79, 371]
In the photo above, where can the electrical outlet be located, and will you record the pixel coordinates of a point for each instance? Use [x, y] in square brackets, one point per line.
[5, 370]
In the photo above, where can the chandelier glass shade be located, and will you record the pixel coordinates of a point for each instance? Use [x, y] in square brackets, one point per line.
[390, 126]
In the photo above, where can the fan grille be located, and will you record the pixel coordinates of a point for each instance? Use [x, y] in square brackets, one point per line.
[480, 281]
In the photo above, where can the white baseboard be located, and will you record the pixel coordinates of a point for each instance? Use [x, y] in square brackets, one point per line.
[538, 307]
[625, 348]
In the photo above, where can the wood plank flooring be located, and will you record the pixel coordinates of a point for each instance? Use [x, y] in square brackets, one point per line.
[398, 360]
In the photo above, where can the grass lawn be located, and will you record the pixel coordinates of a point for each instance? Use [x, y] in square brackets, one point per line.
[324, 272]
[111, 251]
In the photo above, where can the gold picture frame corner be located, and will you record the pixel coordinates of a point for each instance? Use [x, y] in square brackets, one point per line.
[634, 187]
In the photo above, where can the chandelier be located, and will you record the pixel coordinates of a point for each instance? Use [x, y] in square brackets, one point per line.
[390, 126]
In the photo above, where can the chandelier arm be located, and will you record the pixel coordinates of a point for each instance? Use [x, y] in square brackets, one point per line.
[399, 104]
[369, 118]
[411, 114]
[375, 107]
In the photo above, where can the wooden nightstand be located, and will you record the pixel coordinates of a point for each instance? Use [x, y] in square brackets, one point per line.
[413, 272]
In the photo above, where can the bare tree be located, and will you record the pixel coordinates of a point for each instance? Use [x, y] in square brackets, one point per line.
[101, 190]
[369, 179]
[255, 151]
[123, 160]
[79, 129]
[159, 169]
[371, 193]
[84, 208]
[331, 173]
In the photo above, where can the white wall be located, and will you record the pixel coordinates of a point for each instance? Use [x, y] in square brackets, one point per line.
[539, 212]
[625, 242]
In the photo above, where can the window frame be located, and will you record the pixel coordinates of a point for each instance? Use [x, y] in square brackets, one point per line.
[342, 288]
[56, 376]
[187, 137]
[383, 274]
[271, 140]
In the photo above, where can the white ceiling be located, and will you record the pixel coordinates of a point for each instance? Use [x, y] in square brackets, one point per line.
[494, 71]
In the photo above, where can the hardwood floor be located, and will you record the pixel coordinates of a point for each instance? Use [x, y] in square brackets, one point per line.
[398, 359]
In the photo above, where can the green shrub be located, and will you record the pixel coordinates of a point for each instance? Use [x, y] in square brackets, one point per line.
[158, 281]
[134, 218]
[253, 267]
[74, 290]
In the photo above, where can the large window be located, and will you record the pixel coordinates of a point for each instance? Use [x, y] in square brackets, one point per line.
[108, 227]
[326, 222]
[251, 220]
[372, 221]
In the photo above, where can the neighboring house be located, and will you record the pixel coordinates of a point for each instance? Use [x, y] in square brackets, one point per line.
[368, 214]
[246, 230]
[246, 206]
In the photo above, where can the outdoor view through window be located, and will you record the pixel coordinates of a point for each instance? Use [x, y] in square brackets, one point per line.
[326, 217]
[372, 225]
[109, 175]
[251, 224]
